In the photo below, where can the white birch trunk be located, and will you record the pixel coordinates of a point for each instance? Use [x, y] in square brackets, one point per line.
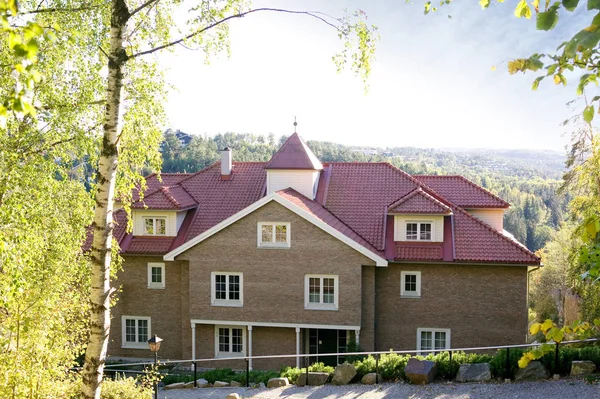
[103, 216]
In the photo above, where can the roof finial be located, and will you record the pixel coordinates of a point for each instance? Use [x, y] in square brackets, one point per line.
[295, 124]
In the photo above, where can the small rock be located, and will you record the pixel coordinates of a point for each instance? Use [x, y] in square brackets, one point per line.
[534, 371]
[507, 380]
[235, 384]
[556, 377]
[233, 396]
[370, 379]
[202, 383]
[314, 379]
[582, 367]
[220, 384]
[177, 385]
[343, 374]
[474, 372]
[260, 386]
[420, 371]
[278, 382]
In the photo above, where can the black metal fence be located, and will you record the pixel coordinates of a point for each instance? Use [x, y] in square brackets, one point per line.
[305, 358]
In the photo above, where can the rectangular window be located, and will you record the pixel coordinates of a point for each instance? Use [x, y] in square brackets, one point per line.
[410, 284]
[227, 289]
[155, 226]
[430, 339]
[321, 292]
[135, 332]
[229, 341]
[156, 275]
[419, 231]
[273, 235]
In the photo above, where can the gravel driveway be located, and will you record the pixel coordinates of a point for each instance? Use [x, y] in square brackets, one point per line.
[563, 389]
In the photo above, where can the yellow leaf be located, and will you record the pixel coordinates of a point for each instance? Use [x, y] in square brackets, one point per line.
[493, 67]
[535, 328]
[523, 362]
[546, 325]
[557, 79]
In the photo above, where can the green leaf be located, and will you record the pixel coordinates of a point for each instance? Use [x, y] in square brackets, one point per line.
[523, 10]
[536, 82]
[484, 3]
[570, 5]
[547, 20]
[588, 113]
[427, 7]
[593, 5]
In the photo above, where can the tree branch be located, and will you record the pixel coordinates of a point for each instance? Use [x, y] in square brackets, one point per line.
[48, 10]
[314, 14]
[140, 8]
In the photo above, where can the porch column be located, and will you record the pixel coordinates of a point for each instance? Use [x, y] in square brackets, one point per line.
[357, 332]
[250, 347]
[297, 347]
[193, 341]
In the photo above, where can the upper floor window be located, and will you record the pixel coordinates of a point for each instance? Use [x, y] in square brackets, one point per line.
[273, 235]
[227, 289]
[418, 231]
[156, 275]
[321, 292]
[432, 339]
[230, 341]
[156, 226]
[135, 332]
[410, 284]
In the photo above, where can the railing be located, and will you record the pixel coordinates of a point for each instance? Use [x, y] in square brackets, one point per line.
[376, 355]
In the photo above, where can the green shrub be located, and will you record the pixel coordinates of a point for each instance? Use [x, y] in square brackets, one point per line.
[391, 366]
[365, 366]
[126, 388]
[292, 373]
[498, 363]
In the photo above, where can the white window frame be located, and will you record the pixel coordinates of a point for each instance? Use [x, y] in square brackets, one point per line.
[272, 244]
[218, 353]
[152, 285]
[433, 331]
[418, 222]
[321, 306]
[410, 294]
[226, 302]
[153, 218]
[134, 345]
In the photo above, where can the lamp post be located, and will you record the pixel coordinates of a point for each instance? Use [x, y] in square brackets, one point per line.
[154, 344]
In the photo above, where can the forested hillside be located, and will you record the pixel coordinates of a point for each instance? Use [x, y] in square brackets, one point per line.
[527, 179]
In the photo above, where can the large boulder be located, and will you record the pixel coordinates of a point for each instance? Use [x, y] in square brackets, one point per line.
[343, 374]
[474, 372]
[278, 382]
[582, 367]
[534, 371]
[220, 384]
[189, 385]
[314, 379]
[235, 384]
[233, 396]
[370, 379]
[420, 371]
[202, 383]
[177, 385]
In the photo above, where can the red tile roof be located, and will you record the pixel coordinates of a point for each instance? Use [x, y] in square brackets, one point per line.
[418, 252]
[318, 211]
[149, 245]
[175, 198]
[419, 202]
[462, 192]
[294, 154]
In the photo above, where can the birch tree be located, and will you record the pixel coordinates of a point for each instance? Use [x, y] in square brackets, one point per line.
[108, 54]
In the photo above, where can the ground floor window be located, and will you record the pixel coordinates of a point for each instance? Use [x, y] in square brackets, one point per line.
[135, 332]
[429, 339]
[230, 341]
[323, 341]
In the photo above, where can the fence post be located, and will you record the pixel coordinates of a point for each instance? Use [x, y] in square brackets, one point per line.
[247, 373]
[195, 378]
[556, 368]
[307, 362]
[450, 357]
[377, 368]
[507, 363]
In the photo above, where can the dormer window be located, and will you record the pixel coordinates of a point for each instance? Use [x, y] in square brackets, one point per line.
[273, 235]
[418, 231]
[155, 226]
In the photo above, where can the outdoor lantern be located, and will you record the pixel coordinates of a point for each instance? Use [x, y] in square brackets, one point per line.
[154, 343]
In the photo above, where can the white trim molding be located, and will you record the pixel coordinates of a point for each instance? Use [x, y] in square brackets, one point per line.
[270, 324]
[410, 293]
[272, 244]
[143, 344]
[321, 305]
[379, 261]
[432, 331]
[230, 352]
[226, 302]
[156, 285]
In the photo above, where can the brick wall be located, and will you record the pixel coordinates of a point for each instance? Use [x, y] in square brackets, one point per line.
[482, 305]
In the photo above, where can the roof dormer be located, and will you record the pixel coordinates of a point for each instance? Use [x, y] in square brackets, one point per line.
[295, 166]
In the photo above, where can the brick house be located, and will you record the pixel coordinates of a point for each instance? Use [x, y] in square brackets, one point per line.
[295, 256]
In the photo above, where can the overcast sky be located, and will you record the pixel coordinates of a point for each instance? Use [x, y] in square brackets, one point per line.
[432, 84]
